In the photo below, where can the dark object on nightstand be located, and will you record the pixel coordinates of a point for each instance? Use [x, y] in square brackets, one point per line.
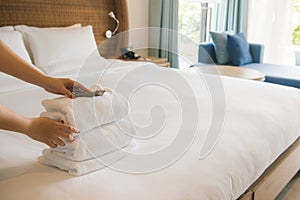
[129, 54]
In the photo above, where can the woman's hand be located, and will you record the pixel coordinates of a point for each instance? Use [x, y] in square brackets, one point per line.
[63, 86]
[50, 131]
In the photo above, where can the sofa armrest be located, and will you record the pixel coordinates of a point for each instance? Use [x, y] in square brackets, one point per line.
[257, 52]
[206, 53]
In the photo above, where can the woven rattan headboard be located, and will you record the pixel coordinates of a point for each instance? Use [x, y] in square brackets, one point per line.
[57, 13]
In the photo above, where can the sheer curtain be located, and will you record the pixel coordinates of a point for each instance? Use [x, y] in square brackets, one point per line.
[270, 23]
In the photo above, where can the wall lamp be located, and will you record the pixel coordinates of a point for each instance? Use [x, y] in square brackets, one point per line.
[110, 33]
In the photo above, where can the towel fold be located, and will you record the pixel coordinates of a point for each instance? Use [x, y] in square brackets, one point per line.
[97, 142]
[86, 113]
[79, 168]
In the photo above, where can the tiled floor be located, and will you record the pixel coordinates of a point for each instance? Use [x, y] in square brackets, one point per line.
[292, 190]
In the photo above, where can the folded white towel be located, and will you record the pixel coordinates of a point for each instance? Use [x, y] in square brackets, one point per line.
[97, 142]
[86, 113]
[103, 132]
[80, 168]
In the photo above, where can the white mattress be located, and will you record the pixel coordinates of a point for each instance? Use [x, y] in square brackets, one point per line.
[261, 121]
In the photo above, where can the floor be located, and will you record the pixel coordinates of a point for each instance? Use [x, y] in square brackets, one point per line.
[292, 190]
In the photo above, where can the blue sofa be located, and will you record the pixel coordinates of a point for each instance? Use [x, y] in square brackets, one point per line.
[283, 75]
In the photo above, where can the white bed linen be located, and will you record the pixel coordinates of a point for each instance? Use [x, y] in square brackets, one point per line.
[11, 84]
[262, 120]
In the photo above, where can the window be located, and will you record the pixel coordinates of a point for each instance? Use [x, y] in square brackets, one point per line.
[296, 31]
[196, 19]
[296, 23]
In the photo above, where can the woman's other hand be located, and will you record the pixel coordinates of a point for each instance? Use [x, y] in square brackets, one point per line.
[50, 132]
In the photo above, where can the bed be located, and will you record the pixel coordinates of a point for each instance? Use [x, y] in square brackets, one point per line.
[250, 151]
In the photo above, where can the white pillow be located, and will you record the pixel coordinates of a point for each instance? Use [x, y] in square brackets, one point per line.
[52, 47]
[24, 28]
[13, 39]
[6, 28]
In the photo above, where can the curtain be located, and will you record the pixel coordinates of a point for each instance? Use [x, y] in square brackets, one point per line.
[232, 15]
[271, 24]
[163, 34]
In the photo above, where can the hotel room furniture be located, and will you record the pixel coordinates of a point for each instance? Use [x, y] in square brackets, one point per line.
[233, 71]
[283, 75]
[47, 13]
[162, 62]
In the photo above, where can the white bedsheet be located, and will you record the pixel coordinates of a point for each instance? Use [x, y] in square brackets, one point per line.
[9, 83]
[261, 121]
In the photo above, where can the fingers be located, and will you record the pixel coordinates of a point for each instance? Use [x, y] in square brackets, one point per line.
[66, 136]
[55, 142]
[68, 129]
[64, 132]
[59, 142]
[51, 144]
[73, 86]
[80, 86]
[68, 93]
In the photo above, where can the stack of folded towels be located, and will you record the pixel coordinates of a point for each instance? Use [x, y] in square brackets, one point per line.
[103, 132]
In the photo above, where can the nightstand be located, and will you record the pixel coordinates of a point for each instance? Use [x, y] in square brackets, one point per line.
[163, 62]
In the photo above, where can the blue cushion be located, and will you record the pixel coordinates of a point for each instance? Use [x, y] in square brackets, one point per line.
[238, 49]
[220, 44]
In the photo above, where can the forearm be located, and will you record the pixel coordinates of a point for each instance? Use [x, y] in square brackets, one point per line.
[40, 129]
[12, 121]
[12, 64]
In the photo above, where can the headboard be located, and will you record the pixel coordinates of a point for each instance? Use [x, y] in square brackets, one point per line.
[58, 13]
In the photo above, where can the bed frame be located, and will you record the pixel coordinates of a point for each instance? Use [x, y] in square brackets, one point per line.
[275, 177]
[49, 13]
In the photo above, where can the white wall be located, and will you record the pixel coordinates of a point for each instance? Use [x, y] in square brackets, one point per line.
[138, 22]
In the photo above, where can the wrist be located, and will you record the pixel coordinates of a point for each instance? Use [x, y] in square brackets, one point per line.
[45, 80]
[27, 124]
